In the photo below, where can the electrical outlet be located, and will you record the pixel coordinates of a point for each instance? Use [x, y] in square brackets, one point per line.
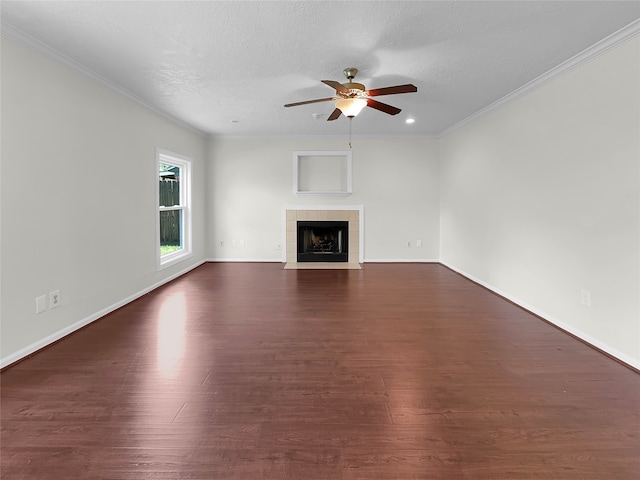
[54, 299]
[408, 244]
[41, 303]
[278, 246]
[222, 243]
[585, 297]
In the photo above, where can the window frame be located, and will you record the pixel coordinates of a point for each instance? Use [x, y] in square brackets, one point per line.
[185, 165]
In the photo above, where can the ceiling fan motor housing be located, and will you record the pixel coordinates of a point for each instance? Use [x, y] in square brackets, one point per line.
[355, 89]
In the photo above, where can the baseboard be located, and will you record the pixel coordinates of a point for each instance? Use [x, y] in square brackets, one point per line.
[54, 337]
[579, 334]
[366, 260]
[246, 260]
[401, 260]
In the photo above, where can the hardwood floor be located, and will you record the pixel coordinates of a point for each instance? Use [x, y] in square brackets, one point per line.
[249, 371]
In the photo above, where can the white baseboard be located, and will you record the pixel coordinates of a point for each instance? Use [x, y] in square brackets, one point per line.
[54, 337]
[559, 323]
[248, 260]
[401, 260]
[366, 260]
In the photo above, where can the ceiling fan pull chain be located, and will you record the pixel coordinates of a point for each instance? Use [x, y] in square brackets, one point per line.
[350, 118]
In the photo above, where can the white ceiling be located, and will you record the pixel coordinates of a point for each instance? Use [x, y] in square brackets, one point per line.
[228, 67]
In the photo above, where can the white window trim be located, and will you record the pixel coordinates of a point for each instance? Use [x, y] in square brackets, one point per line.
[185, 164]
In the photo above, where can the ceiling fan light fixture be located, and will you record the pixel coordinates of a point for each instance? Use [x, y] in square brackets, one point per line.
[350, 107]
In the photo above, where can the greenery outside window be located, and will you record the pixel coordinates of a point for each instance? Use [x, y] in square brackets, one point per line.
[174, 212]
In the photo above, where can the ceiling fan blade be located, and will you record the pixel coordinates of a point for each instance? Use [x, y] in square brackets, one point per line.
[407, 88]
[336, 85]
[309, 101]
[335, 114]
[383, 107]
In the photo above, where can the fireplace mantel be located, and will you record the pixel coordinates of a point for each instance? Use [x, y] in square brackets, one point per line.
[354, 214]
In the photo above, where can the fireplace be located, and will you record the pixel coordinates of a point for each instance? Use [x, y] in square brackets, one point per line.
[353, 215]
[323, 241]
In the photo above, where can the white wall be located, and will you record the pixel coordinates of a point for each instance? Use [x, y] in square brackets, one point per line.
[396, 179]
[78, 197]
[540, 200]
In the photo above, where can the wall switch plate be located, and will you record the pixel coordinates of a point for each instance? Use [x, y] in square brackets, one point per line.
[418, 243]
[408, 244]
[241, 243]
[54, 299]
[41, 303]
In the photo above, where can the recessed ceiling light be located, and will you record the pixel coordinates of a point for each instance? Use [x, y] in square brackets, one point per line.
[409, 120]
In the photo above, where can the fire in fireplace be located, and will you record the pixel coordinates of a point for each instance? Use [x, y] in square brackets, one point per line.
[323, 241]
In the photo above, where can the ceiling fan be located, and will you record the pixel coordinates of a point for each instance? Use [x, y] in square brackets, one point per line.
[352, 97]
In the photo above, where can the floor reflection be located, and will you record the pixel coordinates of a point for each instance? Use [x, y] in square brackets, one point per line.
[171, 333]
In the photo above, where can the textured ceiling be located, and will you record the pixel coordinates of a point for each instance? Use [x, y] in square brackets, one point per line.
[228, 67]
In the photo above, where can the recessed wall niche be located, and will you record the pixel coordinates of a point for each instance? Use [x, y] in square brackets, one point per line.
[322, 172]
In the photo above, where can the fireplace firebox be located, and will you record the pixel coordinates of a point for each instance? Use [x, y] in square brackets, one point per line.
[323, 241]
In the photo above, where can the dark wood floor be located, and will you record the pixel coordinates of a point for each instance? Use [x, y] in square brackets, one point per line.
[249, 371]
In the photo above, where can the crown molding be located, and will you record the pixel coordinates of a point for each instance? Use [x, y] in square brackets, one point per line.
[310, 136]
[23, 39]
[626, 33]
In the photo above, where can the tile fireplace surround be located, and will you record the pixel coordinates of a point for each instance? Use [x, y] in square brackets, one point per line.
[352, 214]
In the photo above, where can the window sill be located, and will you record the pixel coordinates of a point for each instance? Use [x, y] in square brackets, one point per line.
[172, 259]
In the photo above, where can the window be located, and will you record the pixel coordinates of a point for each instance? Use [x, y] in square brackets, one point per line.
[174, 213]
